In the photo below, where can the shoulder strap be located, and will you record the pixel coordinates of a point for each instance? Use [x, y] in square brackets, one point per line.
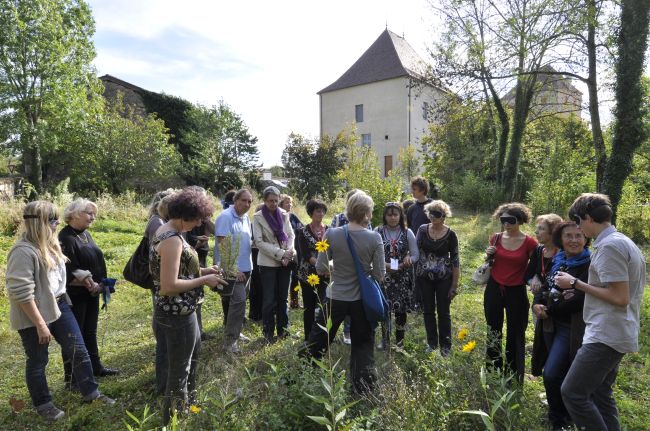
[353, 251]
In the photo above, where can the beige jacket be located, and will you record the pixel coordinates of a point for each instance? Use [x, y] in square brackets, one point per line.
[270, 251]
[27, 280]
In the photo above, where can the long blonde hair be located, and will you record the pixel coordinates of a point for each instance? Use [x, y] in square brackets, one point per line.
[36, 218]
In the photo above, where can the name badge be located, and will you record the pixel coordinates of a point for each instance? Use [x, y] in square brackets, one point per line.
[394, 264]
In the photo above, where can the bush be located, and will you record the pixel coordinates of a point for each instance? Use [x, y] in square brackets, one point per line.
[633, 214]
[474, 193]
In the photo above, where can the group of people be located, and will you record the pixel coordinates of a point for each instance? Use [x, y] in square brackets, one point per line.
[585, 307]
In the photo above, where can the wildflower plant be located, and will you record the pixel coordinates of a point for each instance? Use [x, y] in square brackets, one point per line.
[229, 252]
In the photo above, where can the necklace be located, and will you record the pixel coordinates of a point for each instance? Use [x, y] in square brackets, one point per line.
[84, 239]
[392, 237]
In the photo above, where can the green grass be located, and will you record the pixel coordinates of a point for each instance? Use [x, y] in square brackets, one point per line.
[266, 387]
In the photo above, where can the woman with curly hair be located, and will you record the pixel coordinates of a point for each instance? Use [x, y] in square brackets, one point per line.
[510, 251]
[178, 290]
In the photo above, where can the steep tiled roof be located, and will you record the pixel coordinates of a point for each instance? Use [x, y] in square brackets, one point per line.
[111, 78]
[390, 56]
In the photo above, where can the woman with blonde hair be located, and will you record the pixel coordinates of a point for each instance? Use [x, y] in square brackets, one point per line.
[40, 308]
[86, 271]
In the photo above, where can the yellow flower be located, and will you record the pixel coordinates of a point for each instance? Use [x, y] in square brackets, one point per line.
[297, 288]
[313, 280]
[462, 334]
[195, 409]
[469, 346]
[322, 246]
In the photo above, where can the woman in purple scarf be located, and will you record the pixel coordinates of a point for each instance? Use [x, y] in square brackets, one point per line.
[274, 237]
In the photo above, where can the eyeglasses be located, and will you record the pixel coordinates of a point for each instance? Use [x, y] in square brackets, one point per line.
[436, 214]
[392, 204]
[508, 220]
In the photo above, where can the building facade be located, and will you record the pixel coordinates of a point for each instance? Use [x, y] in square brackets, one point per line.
[383, 98]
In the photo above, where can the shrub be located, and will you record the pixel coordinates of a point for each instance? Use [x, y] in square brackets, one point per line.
[474, 193]
[633, 214]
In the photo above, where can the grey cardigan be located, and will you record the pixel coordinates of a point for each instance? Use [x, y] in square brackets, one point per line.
[345, 283]
[27, 280]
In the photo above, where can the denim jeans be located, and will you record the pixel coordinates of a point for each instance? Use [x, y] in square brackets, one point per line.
[555, 370]
[236, 310]
[362, 362]
[514, 300]
[65, 331]
[587, 388]
[435, 298]
[275, 283]
[181, 336]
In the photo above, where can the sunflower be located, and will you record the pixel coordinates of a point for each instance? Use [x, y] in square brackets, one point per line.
[313, 280]
[195, 409]
[297, 288]
[469, 346]
[322, 246]
[462, 334]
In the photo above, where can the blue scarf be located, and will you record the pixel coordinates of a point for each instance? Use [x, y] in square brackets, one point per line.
[560, 260]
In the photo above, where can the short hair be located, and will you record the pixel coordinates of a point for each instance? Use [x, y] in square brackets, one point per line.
[551, 220]
[163, 206]
[314, 204]
[270, 190]
[559, 229]
[230, 196]
[76, 207]
[597, 205]
[393, 206]
[190, 204]
[438, 205]
[407, 204]
[153, 207]
[349, 194]
[284, 197]
[520, 211]
[421, 183]
[359, 207]
[239, 193]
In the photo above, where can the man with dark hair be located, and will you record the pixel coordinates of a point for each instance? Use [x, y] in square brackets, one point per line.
[613, 296]
[415, 215]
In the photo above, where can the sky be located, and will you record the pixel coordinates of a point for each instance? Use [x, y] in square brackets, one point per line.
[266, 60]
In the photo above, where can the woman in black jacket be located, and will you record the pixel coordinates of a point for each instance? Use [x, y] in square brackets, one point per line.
[561, 315]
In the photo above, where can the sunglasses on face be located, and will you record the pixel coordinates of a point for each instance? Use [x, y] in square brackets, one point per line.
[436, 214]
[53, 221]
[508, 220]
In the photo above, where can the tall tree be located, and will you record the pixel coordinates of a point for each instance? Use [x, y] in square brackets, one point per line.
[629, 130]
[45, 73]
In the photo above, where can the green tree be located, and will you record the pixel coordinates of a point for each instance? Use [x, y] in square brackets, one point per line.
[120, 150]
[223, 149]
[408, 165]
[629, 130]
[46, 77]
[312, 166]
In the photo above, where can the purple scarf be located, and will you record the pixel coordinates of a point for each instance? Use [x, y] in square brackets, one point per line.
[276, 222]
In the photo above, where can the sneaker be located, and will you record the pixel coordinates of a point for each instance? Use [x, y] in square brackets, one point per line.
[50, 413]
[346, 339]
[233, 348]
[103, 399]
[242, 337]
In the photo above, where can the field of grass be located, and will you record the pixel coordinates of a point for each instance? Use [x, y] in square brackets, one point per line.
[268, 387]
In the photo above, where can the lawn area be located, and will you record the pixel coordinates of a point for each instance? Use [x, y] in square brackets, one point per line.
[266, 387]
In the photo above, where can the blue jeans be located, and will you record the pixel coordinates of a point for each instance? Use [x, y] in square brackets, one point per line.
[587, 388]
[275, 284]
[181, 336]
[555, 370]
[65, 331]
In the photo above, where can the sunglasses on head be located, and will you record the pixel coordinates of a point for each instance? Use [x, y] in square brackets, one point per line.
[392, 204]
[436, 214]
[508, 219]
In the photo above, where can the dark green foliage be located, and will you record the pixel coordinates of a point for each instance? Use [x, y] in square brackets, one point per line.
[175, 112]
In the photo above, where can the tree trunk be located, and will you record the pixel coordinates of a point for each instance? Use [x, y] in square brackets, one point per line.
[505, 131]
[628, 126]
[32, 162]
[592, 87]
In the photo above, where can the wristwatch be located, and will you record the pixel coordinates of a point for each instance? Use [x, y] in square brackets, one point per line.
[573, 282]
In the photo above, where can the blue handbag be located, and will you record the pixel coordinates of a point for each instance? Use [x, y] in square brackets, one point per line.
[373, 299]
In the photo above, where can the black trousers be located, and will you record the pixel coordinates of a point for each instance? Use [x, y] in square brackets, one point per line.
[400, 328]
[362, 362]
[514, 300]
[85, 308]
[435, 298]
[255, 295]
[312, 298]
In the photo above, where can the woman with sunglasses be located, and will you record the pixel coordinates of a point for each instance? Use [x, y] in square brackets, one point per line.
[510, 252]
[401, 252]
[40, 308]
[437, 272]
